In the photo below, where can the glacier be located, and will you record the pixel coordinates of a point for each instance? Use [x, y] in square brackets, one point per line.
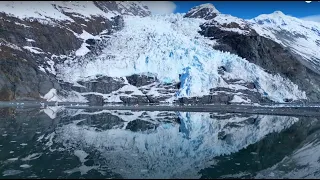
[168, 46]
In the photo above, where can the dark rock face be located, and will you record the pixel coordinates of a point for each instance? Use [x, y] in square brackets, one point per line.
[140, 125]
[221, 70]
[107, 85]
[91, 41]
[95, 99]
[61, 40]
[134, 100]
[118, 22]
[20, 76]
[21, 79]
[140, 80]
[156, 99]
[104, 85]
[134, 9]
[221, 98]
[203, 11]
[25, 80]
[102, 121]
[269, 55]
[213, 30]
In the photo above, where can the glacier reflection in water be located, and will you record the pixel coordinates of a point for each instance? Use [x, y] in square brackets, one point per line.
[133, 144]
[167, 145]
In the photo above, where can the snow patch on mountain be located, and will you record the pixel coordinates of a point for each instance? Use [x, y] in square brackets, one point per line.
[83, 50]
[8, 44]
[51, 96]
[19, 24]
[30, 40]
[52, 111]
[54, 96]
[83, 9]
[50, 67]
[239, 99]
[35, 50]
[33, 9]
[85, 35]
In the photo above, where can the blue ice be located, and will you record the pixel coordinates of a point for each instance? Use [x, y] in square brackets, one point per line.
[171, 54]
[167, 80]
[184, 125]
[197, 62]
[185, 77]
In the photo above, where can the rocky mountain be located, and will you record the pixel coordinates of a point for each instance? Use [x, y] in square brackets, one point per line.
[102, 52]
[35, 36]
[302, 37]
[260, 45]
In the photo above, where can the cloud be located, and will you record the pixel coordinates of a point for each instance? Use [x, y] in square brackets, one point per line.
[315, 18]
[160, 7]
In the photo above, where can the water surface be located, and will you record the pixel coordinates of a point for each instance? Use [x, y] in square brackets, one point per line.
[86, 143]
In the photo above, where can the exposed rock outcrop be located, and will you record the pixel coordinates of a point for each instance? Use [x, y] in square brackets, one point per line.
[20, 77]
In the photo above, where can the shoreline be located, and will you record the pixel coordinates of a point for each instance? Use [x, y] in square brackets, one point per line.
[244, 109]
[282, 109]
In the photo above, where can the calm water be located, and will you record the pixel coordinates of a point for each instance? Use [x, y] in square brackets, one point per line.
[79, 143]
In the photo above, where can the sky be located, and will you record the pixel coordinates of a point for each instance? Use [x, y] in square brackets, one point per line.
[244, 9]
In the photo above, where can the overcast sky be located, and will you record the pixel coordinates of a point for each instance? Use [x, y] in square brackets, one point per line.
[243, 9]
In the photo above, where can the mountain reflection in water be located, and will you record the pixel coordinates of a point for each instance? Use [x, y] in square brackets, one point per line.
[74, 143]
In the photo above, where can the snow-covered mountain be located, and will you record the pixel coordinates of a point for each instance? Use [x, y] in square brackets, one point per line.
[40, 34]
[261, 46]
[204, 11]
[67, 10]
[302, 37]
[215, 18]
[118, 52]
